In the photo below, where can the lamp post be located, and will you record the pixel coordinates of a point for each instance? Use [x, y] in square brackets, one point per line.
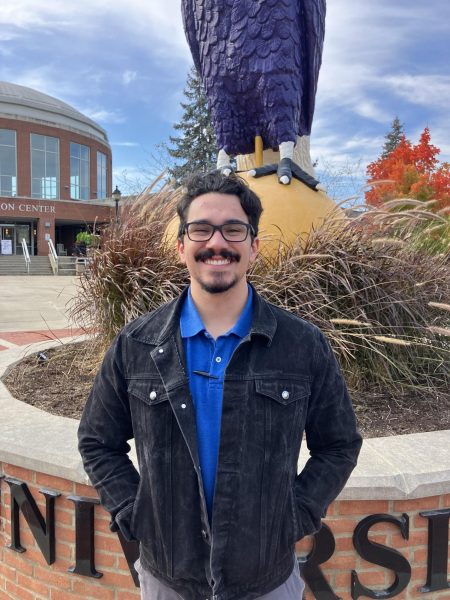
[117, 195]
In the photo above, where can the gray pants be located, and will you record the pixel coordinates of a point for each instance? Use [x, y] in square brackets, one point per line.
[153, 589]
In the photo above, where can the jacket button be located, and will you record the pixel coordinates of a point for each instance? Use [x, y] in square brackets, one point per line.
[285, 395]
[152, 395]
[161, 350]
[183, 406]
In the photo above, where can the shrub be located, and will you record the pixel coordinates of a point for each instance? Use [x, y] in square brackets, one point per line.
[134, 272]
[380, 300]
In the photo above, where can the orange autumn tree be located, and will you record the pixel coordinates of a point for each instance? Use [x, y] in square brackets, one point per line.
[410, 171]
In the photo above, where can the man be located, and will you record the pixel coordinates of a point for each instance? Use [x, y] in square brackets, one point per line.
[217, 388]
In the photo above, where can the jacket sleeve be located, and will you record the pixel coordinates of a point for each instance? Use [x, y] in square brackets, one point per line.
[104, 430]
[332, 438]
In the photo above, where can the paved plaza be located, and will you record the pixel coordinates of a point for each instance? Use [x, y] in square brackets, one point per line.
[35, 309]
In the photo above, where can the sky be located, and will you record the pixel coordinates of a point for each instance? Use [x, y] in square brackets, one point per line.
[124, 64]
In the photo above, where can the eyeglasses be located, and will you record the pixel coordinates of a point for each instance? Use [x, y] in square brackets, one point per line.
[231, 232]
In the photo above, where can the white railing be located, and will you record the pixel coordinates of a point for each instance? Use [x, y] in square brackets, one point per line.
[26, 255]
[53, 256]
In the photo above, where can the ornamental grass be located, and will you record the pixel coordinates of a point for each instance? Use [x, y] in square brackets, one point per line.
[374, 284]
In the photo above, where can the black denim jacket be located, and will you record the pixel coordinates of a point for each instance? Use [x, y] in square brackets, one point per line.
[282, 380]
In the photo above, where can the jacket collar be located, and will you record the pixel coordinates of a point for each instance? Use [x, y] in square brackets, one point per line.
[156, 327]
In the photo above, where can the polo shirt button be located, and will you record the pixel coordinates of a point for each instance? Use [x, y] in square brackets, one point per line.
[161, 350]
[285, 395]
[152, 395]
[218, 359]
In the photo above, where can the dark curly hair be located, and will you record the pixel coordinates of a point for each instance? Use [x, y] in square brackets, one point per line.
[214, 181]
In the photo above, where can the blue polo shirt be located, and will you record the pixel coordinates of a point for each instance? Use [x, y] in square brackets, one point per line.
[210, 357]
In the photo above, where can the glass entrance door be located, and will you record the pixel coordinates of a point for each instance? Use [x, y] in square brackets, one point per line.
[7, 239]
[23, 232]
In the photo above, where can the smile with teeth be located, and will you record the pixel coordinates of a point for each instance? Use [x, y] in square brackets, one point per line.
[217, 261]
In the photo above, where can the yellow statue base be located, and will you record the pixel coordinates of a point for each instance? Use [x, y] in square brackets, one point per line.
[289, 210]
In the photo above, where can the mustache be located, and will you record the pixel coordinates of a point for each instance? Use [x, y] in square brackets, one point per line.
[206, 254]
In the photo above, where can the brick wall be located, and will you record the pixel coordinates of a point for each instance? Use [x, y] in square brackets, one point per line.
[27, 576]
[25, 128]
[344, 516]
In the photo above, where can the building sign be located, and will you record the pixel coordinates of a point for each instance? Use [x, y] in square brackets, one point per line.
[6, 247]
[26, 208]
[324, 545]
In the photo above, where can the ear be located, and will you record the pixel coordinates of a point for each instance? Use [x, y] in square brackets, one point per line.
[180, 248]
[254, 249]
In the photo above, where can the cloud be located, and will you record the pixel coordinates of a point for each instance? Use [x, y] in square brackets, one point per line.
[155, 26]
[125, 144]
[364, 43]
[44, 79]
[103, 115]
[128, 77]
[422, 89]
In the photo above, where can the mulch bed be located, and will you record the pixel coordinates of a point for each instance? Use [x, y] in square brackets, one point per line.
[60, 384]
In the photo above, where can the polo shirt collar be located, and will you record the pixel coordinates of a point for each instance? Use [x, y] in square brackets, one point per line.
[191, 322]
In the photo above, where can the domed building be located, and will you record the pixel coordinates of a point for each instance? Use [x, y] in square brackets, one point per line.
[55, 172]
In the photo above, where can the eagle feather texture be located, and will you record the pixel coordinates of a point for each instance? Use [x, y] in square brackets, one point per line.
[259, 61]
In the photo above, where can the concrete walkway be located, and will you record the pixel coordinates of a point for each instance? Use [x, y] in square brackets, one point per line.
[35, 309]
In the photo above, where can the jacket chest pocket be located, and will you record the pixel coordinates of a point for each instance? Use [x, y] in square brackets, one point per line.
[282, 404]
[151, 413]
[148, 391]
[284, 392]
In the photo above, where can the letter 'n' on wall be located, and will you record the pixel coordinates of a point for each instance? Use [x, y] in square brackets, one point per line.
[43, 530]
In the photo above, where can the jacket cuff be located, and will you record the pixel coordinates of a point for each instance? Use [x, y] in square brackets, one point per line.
[122, 522]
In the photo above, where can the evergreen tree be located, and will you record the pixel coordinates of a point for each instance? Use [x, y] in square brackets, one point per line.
[195, 149]
[393, 138]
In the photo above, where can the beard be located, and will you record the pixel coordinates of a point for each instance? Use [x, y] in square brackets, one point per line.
[220, 285]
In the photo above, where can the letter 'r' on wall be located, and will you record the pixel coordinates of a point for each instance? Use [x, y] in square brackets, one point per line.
[322, 550]
[382, 556]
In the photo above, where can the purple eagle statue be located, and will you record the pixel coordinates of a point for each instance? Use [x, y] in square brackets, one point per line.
[259, 62]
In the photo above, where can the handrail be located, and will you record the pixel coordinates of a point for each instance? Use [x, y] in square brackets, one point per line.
[53, 256]
[26, 255]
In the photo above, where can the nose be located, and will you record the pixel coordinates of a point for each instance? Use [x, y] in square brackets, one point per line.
[217, 240]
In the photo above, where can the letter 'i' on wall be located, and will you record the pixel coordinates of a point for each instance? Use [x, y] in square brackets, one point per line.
[381, 555]
[84, 536]
[438, 521]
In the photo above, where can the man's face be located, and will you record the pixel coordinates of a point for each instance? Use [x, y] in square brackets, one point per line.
[217, 265]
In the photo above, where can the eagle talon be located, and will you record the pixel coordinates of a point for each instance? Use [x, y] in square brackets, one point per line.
[286, 169]
[226, 170]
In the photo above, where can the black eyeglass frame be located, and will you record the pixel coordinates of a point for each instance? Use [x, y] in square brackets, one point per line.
[250, 229]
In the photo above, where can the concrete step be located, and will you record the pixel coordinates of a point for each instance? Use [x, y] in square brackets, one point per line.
[15, 265]
[40, 265]
[66, 265]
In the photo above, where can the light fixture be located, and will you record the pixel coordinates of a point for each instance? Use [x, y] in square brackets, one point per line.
[117, 195]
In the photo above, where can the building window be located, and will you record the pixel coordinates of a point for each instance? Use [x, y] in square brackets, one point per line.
[8, 163]
[102, 175]
[44, 166]
[79, 171]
